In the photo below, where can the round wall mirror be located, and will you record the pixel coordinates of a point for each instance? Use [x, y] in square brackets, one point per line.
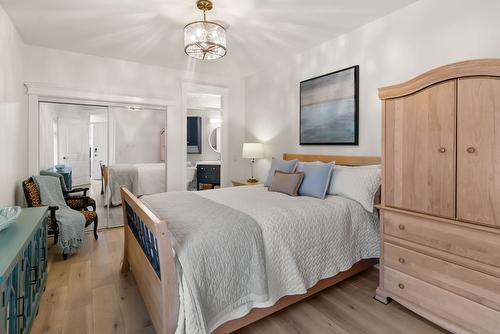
[214, 139]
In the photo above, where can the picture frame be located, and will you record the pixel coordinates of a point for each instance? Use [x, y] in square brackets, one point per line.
[329, 108]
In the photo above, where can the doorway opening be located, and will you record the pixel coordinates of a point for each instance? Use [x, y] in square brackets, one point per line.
[204, 111]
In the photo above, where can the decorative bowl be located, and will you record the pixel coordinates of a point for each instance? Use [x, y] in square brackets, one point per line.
[8, 216]
[60, 167]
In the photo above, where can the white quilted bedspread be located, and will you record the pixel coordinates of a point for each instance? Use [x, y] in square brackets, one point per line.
[305, 240]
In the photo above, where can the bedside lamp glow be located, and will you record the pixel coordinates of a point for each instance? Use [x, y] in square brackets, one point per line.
[252, 151]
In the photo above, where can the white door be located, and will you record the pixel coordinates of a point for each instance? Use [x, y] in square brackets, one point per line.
[73, 139]
[99, 148]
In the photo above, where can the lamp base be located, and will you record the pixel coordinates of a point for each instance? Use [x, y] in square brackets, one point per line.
[252, 180]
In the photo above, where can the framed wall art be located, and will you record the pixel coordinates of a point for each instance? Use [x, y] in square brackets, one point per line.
[329, 108]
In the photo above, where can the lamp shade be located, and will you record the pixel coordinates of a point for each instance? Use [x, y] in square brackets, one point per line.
[253, 151]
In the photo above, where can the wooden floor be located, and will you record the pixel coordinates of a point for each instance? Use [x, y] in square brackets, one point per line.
[87, 294]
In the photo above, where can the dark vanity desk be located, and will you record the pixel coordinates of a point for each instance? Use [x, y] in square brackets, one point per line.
[207, 174]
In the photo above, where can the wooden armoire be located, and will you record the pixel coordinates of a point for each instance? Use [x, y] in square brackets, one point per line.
[440, 209]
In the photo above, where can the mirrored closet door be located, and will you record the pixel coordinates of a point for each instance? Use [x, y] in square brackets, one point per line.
[74, 143]
[137, 155]
[102, 147]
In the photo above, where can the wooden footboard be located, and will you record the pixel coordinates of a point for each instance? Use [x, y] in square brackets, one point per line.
[148, 254]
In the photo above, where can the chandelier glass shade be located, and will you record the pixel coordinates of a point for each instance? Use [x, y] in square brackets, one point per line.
[205, 40]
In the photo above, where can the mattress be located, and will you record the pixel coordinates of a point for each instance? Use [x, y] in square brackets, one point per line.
[140, 179]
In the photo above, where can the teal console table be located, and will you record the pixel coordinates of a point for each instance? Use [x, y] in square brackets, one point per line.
[23, 270]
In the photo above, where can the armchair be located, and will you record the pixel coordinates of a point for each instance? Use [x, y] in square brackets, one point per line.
[32, 195]
[77, 202]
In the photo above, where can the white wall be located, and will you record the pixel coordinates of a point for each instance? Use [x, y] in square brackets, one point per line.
[117, 77]
[390, 50]
[13, 114]
[136, 135]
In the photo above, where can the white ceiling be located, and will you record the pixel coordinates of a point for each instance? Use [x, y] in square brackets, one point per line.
[151, 31]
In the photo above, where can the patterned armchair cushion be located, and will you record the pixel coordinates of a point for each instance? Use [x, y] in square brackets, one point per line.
[33, 198]
[75, 202]
[78, 202]
[90, 216]
[31, 193]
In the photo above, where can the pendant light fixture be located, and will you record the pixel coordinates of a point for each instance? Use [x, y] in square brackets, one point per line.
[205, 40]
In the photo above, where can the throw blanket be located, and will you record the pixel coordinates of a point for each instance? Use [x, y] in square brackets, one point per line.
[220, 251]
[122, 175]
[140, 179]
[59, 177]
[71, 222]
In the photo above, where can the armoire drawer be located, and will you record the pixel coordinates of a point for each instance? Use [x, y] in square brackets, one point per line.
[468, 315]
[472, 243]
[468, 283]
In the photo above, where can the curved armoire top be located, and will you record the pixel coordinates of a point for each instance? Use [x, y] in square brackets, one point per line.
[469, 68]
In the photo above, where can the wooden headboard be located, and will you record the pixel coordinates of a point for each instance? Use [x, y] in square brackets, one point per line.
[339, 159]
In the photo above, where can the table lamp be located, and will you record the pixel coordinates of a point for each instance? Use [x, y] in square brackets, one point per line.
[253, 151]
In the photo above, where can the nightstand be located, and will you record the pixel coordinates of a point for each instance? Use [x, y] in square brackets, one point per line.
[244, 183]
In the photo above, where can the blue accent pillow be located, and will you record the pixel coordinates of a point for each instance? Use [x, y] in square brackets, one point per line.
[287, 166]
[316, 179]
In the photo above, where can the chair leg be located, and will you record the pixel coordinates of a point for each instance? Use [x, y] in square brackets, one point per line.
[65, 257]
[95, 229]
[56, 238]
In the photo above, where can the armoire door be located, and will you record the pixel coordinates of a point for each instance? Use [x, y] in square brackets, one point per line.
[478, 155]
[419, 151]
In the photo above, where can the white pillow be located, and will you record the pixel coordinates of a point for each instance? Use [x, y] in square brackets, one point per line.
[357, 183]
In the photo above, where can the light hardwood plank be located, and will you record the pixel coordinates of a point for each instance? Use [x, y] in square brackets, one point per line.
[79, 286]
[106, 311]
[51, 311]
[78, 320]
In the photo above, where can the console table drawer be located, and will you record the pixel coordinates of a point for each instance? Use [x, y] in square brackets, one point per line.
[468, 283]
[472, 243]
[465, 315]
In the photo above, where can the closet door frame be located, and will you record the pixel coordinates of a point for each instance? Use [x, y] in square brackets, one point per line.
[47, 93]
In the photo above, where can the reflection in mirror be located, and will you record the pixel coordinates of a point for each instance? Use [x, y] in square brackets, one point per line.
[214, 139]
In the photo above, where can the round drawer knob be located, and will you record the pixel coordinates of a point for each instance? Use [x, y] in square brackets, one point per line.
[401, 227]
[401, 260]
[401, 286]
[471, 150]
[442, 150]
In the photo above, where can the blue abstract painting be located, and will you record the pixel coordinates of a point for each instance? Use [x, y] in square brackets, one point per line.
[329, 109]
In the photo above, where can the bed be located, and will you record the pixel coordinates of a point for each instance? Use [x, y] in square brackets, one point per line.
[140, 179]
[281, 249]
